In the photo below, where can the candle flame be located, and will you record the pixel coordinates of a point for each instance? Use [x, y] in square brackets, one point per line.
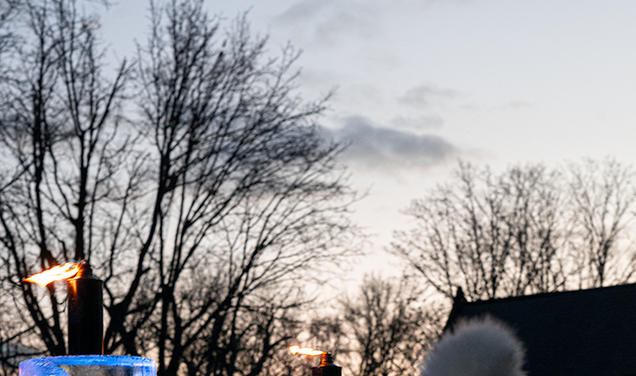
[56, 273]
[308, 352]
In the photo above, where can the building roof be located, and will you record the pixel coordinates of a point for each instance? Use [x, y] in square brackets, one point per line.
[584, 332]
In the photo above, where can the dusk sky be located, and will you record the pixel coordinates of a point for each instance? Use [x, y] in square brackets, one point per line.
[420, 84]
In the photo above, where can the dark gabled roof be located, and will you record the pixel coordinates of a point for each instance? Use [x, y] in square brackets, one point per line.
[585, 332]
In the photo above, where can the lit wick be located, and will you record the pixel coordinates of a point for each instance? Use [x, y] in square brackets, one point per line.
[326, 366]
[85, 305]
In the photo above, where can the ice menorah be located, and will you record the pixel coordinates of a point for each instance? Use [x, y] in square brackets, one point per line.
[85, 331]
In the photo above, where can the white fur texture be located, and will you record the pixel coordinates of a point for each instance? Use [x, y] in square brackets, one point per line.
[476, 348]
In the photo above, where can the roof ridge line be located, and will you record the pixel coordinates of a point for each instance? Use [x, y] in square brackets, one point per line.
[551, 293]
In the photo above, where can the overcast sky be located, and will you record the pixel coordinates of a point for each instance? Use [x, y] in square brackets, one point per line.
[420, 84]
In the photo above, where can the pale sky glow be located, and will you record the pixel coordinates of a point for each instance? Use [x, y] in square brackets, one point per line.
[422, 83]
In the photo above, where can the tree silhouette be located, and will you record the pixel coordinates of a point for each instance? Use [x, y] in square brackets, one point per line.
[528, 229]
[384, 329]
[194, 180]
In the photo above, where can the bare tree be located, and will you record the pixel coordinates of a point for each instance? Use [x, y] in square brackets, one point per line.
[603, 196]
[57, 104]
[491, 235]
[533, 216]
[8, 11]
[199, 212]
[522, 231]
[383, 330]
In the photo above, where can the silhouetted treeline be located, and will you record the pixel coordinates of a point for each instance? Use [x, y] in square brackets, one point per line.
[527, 229]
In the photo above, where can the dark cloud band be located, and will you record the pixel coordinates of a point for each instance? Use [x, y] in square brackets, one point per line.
[377, 147]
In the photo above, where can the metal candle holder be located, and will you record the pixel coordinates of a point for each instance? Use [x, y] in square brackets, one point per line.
[85, 313]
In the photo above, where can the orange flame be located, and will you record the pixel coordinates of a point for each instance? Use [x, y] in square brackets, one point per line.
[308, 352]
[56, 273]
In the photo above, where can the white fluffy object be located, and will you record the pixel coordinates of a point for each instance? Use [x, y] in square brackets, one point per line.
[476, 348]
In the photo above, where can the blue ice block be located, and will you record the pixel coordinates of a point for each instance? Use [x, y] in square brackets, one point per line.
[89, 365]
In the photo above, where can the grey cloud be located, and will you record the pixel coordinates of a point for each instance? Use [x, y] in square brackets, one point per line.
[469, 107]
[418, 123]
[517, 105]
[423, 95]
[375, 147]
[513, 105]
[345, 22]
[329, 20]
[302, 11]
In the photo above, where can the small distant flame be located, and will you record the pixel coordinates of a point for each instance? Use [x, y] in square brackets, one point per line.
[56, 273]
[297, 350]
